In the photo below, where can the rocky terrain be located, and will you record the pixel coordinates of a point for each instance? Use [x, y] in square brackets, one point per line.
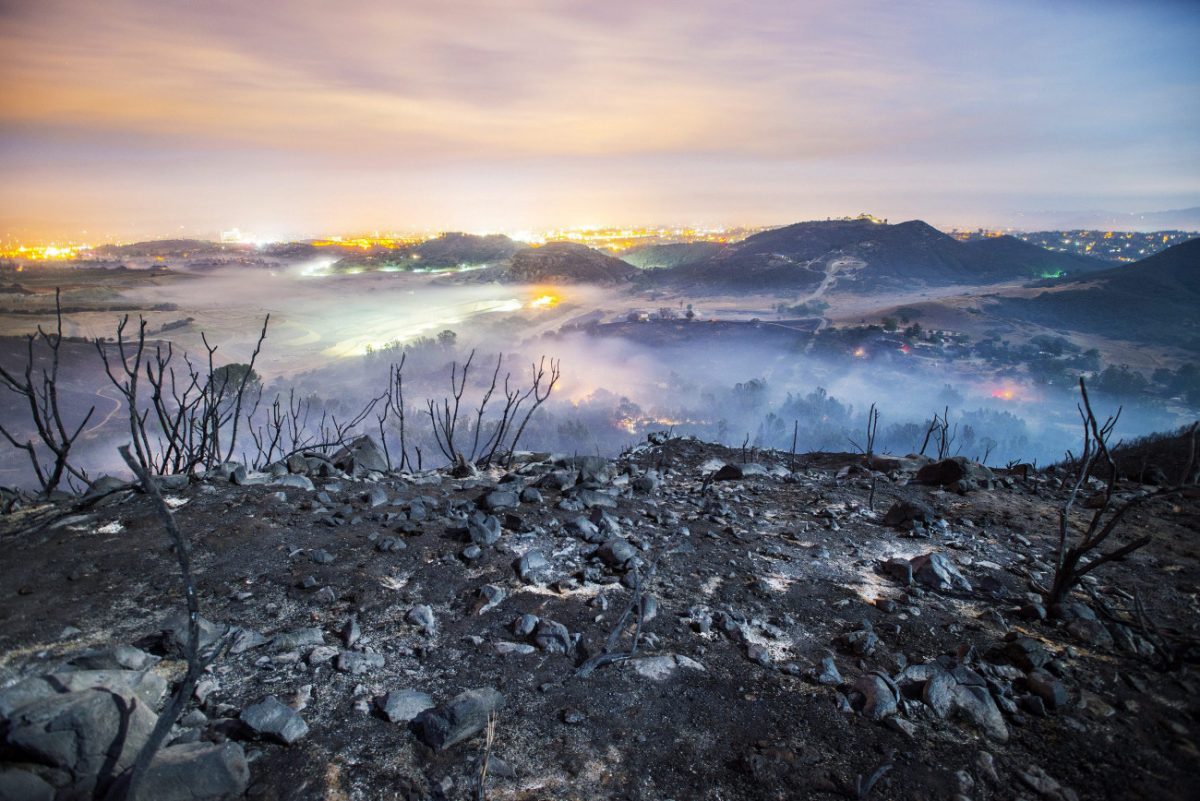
[684, 622]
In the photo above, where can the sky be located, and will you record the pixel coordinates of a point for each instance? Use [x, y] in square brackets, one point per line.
[287, 118]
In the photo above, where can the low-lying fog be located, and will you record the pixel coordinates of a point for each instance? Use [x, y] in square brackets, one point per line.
[332, 339]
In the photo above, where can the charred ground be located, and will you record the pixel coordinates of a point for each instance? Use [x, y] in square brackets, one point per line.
[758, 574]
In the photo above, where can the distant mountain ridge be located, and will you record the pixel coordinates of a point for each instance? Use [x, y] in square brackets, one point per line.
[872, 255]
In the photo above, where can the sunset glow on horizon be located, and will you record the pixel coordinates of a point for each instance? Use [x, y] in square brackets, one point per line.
[131, 119]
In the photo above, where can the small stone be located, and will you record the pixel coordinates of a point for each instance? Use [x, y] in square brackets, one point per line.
[272, 719]
[500, 499]
[484, 530]
[525, 625]
[616, 552]
[422, 616]
[758, 654]
[401, 706]
[461, 718]
[880, 695]
[390, 545]
[828, 675]
[358, 662]
[1046, 687]
[532, 567]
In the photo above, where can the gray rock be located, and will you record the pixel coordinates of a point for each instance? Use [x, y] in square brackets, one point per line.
[1045, 686]
[272, 719]
[525, 625]
[294, 481]
[297, 464]
[20, 785]
[530, 495]
[596, 499]
[460, 719]
[586, 530]
[976, 704]
[390, 545]
[118, 657]
[1089, 632]
[374, 497]
[361, 456]
[320, 557]
[93, 735]
[880, 696]
[902, 512]
[937, 571]
[422, 615]
[758, 654]
[148, 686]
[175, 632]
[532, 567]
[500, 499]
[351, 632]
[297, 638]
[1026, 653]
[553, 638]
[737, 472]
[616, 552]
[245, 640]
[492, 597]
[358, 662]
[646, 483]
[828, 675]
[953, 470]
[401, 706]
[197, 771]
[484, 530]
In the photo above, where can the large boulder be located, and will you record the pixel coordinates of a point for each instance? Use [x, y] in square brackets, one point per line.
[195, 772]
[148, 686]
[738, 472]
[361, 456]
[92, 735]
[952, 471]
[21, 785]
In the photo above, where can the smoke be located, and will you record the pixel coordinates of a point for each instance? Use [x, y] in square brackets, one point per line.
[332, 338]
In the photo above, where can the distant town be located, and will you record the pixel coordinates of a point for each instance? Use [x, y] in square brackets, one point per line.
[1114, 246]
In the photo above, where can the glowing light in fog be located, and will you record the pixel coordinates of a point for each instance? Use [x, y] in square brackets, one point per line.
[545, 302]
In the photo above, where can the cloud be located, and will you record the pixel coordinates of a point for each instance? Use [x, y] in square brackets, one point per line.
[322, 92]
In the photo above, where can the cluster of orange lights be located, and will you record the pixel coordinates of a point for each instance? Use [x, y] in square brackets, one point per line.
[371, 242]
[545, 302]
[44, 252]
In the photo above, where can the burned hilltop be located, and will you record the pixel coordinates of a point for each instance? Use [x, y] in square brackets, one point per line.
[684, 621]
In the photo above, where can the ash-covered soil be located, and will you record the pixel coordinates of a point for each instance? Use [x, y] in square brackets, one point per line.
[780, 651]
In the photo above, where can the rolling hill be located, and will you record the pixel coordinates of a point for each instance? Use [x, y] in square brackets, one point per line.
[1154, 300]
[870, 256]
[556, 263]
